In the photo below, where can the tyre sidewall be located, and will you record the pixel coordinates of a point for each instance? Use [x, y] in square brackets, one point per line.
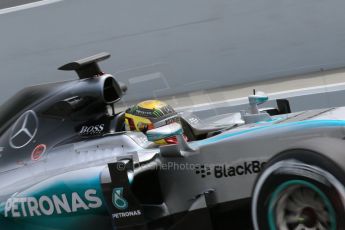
[282, 175]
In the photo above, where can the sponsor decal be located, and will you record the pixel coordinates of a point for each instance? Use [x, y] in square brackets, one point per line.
[193, 120]
[38, 152]
[24, 130]
[122, 204]
[203, 170]
[91, 129]
[126, 214]
[17, 207]
[224, 170]
[118, 201]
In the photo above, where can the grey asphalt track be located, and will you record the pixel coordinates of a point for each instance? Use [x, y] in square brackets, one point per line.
[164, 48]
[12, 3]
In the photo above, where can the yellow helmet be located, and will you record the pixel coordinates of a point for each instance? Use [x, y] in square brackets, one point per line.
[151, 114]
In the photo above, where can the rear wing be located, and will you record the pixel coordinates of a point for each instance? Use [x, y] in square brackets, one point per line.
[87, 67]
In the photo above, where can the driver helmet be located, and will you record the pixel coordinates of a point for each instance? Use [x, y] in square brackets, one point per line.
[151, 114]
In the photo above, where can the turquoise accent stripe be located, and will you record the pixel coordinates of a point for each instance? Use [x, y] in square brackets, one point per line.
[295, 125]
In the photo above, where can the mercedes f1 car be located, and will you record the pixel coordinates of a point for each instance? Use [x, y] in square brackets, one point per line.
[66, 162]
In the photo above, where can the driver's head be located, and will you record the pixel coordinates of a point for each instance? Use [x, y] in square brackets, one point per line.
[151, 114]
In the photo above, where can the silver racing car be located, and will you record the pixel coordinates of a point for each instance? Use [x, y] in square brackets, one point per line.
[66, 162]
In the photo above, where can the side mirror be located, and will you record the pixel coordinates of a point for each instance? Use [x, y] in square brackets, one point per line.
[258, 98]
[173, 129]
[255, 100]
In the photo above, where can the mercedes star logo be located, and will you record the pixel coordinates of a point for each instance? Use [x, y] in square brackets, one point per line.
[24, 130]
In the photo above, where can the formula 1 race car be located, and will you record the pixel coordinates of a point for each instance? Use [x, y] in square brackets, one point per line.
[66, 162]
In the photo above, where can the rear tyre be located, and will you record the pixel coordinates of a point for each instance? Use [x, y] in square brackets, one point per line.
[299, 190]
